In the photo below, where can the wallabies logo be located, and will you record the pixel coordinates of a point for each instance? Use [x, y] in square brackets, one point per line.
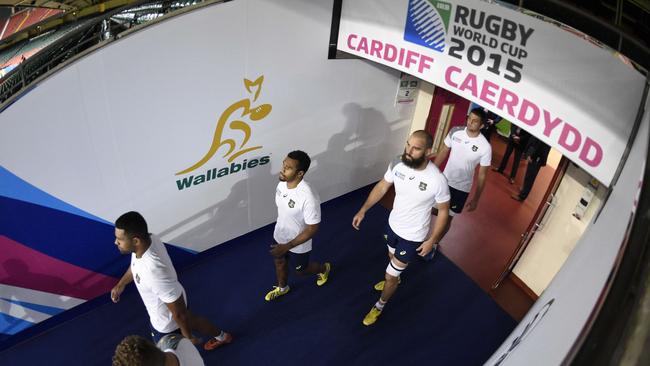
[237, 117]
[253, 113]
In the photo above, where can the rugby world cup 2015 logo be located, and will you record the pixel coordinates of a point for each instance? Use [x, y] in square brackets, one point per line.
[427, 22]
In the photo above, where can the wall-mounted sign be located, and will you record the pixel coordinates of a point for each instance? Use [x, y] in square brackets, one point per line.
[407, 90]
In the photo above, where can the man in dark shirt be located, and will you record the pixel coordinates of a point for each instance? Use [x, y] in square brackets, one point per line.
[516, 142]
[536, 152]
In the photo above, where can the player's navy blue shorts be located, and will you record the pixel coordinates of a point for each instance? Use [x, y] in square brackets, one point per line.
[404, 250]
[457, 201]
[299, 261]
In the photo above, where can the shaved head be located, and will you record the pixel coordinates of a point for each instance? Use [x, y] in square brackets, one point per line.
[422, 134]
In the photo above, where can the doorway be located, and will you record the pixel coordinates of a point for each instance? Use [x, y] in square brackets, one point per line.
[447, 110]
[483, 242]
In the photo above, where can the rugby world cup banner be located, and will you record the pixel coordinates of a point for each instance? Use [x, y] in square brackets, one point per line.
[573, 95]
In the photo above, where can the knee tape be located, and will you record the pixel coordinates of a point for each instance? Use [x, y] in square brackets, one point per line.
[394, 270]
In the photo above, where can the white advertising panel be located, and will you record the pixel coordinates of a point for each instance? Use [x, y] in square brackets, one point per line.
[577, 97]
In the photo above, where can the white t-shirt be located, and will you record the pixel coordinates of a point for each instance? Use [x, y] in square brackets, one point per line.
[416, 191]
[185, 351]
[466, 153]
[155, 277]
[297, 208]
[187, 354]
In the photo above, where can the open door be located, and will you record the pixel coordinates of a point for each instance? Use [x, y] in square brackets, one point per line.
[538, 221]
[447, 110]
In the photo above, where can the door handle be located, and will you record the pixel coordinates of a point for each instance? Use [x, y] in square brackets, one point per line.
[550, 205]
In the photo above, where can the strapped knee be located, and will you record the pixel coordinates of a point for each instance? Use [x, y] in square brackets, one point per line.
[394, 270]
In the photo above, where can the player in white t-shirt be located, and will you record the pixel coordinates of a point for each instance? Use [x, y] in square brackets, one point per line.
[466, 148]
[172, 350]
[419, 185]
[156, 281]
[298, 219]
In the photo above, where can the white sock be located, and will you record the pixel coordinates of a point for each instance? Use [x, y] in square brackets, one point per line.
[283, 289]
[221, 336]
[380, 304]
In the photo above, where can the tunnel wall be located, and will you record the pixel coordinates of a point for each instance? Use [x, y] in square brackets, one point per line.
[186, 121]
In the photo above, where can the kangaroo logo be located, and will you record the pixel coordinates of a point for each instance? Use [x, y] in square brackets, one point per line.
[253, 113]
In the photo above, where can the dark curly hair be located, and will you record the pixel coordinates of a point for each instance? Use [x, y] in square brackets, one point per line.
[133, 224]
[302, 158]
[138, 351]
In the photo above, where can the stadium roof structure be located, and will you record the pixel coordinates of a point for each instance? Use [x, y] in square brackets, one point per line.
[67, 5]
[71, 11]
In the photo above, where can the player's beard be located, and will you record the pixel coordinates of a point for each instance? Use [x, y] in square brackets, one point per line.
[413, 162]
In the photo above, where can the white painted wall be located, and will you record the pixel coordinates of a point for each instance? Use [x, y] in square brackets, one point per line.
[553, 243]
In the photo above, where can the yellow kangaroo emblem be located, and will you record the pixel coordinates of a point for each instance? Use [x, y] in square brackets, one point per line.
[255, 113]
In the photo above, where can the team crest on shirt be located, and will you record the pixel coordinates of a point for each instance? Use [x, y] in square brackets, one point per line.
[292, 203]
[403, 252]
[423, 186]
[137, 278]
[474, 148]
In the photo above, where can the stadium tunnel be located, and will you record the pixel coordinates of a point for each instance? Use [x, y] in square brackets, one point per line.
[129, 109]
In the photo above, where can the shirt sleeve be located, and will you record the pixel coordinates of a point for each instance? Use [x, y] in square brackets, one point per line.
[388, 176]
[486, 159]
[311, 211]
[443, 194]
[188, 354]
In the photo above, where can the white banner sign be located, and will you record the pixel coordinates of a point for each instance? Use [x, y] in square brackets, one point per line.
[573, 95]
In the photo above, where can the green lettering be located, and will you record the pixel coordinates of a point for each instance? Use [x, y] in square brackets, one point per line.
[184, 183]
[222, 172]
